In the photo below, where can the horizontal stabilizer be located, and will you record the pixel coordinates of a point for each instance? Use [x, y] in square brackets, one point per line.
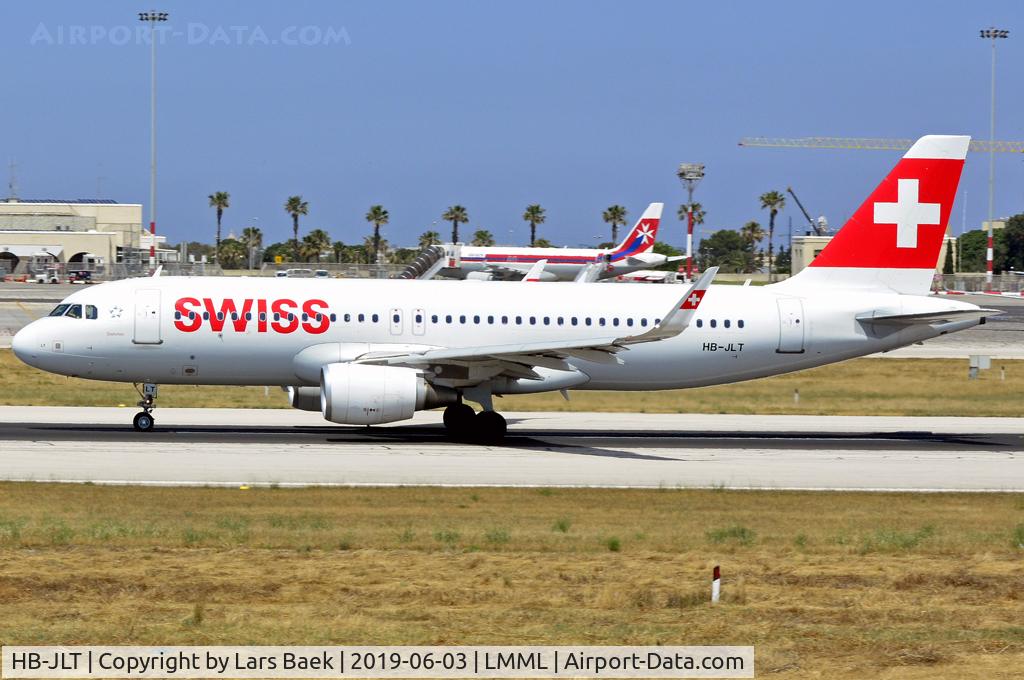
[926, 318]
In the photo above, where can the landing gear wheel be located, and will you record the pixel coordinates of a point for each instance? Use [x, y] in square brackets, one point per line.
[458, 419]
[143, 422]
[490, 427]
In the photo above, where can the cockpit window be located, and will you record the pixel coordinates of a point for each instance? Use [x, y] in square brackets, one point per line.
[90, 312]
[59, 310]
[74, 311]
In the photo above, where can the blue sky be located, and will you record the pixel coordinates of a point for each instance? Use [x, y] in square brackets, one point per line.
[575, 105]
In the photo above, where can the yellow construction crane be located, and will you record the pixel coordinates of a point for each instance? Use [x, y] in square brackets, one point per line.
[869, 143]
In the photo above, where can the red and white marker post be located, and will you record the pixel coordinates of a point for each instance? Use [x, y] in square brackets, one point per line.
[716, 584]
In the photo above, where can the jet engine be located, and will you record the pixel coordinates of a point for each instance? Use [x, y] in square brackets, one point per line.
[304, 398]
[359, 394]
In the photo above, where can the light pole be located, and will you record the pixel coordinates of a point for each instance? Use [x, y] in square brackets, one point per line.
[690, 174]
[992, 34]
[152, 18]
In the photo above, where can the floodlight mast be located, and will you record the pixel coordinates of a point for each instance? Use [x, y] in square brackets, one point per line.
[992, 34]
[690, 174]
[152, 18]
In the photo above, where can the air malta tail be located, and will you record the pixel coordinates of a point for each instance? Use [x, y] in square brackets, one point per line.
[892, 243]
[643, 235]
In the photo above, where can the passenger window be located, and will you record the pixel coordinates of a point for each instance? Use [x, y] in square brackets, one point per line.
[561, 321]
[74, 311]
[533, 321]
[206, 316]
[519, 321]
[600, 322]
[643, 322]
[504, 320]
[476, 318]
[348, 318]
[91, 312]
[462, 318]
[234, 316]
[220, 316]
[334, 317]
[574, 320]
[490, 319]
[448, 318]
[740, 323]
[727, 323]
[177, 315]
[588, 321]
[700, 323]
[375, 318]
[629, 322]
[192, 316]
[248, 316]
[59, 310]
[547, 320]
[419, 318]
[263, 316]
[433, 318]
[277, 317]
[361, 318]
[714, 323]
[615, 321]
[395, 318]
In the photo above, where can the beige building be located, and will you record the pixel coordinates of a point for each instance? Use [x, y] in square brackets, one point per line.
[85, 231]
[807, 247]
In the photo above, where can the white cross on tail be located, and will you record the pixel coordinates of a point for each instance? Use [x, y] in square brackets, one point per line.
[907, 213]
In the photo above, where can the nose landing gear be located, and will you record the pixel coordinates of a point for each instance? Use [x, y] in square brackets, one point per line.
[143, 422]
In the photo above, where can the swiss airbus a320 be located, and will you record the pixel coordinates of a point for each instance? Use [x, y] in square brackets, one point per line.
[364, 352]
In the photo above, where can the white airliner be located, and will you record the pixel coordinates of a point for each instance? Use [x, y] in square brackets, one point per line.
[564, 264]
[370, 351]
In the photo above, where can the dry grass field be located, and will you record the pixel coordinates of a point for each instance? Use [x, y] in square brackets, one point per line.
[919, 387]
[825, 585]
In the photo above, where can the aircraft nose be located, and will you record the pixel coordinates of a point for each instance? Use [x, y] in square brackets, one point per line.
[24, 343]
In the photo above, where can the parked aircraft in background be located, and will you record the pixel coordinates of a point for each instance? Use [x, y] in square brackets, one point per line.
[364, 352]
[563, 264]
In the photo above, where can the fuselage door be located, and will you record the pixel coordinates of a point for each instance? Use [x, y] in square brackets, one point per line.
[419, 322]
[395, 317]
[791, 326]
[147, 317]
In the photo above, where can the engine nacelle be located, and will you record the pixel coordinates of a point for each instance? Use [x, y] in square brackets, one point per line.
[479, 276]
[358, 394]
[304, 398]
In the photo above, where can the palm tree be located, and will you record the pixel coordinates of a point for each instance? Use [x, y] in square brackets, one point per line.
[232, 254]
[378, 216]
[698, 213]
[339, 250]
[368, 248]
[429, 238]
[316, 242]
[615, 215]
[534, 215]
[543, 243]
[295, 206]
[752, 234]
[482, 237]
[219, 200]
[457, 215]
[773, 202]
[252, 237]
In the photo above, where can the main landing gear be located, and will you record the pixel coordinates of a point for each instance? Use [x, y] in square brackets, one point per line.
[464, 424]
[143, 422]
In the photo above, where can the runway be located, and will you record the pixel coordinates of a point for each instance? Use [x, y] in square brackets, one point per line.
[233, 447]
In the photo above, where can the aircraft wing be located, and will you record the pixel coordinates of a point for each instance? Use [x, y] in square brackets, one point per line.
[516, 358]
